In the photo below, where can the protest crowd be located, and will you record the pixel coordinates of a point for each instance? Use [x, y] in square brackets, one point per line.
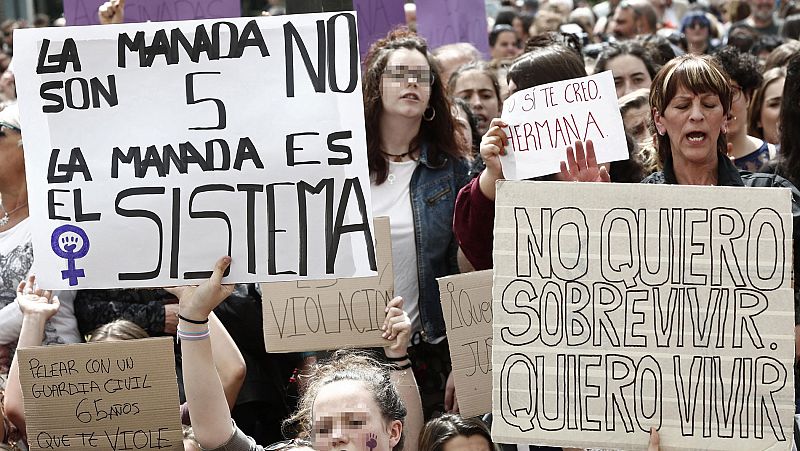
[709, 94]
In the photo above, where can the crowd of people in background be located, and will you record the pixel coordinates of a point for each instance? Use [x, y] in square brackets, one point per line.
[709, 93]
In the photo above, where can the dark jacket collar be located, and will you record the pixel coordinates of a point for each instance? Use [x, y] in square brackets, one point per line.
[727, 174]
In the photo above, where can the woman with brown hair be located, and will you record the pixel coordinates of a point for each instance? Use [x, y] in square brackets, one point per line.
[417, 164]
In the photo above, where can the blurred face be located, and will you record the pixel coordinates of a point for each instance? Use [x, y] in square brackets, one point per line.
[406, 84]
[477, 90]
[630, 74]
[464, 129]
[762, 9]
[546, 21]
[471, 443]
[771, 111]
[346, 417]
[737, 123]
[693, 123]
[519, 28]
[12, 162]
[635, 121]
[506, 46]
[624, 23]
[696, 32]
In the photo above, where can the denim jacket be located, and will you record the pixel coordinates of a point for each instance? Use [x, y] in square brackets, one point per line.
[433, 194]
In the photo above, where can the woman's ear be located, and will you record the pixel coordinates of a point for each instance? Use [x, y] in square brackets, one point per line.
[657, 121]
[395, 432]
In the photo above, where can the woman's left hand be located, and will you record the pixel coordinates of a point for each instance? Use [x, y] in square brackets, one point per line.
[581, 167]
[397, 329]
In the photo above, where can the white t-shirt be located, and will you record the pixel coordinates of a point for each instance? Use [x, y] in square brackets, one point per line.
[16, 259]
[392, 198]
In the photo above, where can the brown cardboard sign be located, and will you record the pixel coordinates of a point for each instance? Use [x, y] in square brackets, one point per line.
[117, 396]
[331, 314]
[467, 308]
[618, 308]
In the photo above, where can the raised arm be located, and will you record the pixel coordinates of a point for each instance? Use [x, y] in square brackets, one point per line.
[37, 307]
[228, 360]
[397, 329]
[208, 408]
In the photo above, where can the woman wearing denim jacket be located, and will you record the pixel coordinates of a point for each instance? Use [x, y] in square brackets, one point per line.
[417, 166]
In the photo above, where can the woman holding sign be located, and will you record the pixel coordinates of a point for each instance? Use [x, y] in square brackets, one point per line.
[417, 165]
[350, 403]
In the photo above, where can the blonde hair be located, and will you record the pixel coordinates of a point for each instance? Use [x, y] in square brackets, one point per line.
[120, 329]
[699, 74]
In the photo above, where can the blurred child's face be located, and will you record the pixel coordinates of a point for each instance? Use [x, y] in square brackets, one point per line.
[346, 417]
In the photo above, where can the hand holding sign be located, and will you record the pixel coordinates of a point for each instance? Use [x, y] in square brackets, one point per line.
[111, 12]
[397, 327]
[198, 302]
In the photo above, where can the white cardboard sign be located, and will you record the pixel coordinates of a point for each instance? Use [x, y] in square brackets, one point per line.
[544, 120]
[154, 148]
[618, 308]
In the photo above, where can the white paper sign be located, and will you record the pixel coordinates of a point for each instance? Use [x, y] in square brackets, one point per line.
[152, 149]
[544, 120]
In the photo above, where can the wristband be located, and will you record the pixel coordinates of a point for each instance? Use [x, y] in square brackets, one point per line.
[396, 367]
[193, 336]
[397, 359]
[183, 318]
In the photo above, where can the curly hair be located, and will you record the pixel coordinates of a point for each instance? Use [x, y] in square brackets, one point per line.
[348, 365]
[439, 133]
[741, 67]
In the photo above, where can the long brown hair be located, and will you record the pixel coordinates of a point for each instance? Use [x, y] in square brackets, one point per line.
[439, 133]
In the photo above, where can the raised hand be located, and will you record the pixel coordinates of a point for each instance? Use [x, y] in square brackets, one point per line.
[581, 167]
[197, 302]
[111, 12]
[32, 300]
[397, 329]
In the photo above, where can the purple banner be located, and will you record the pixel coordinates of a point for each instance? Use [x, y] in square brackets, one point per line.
[84, 12]
[449, 21]
[375, 19]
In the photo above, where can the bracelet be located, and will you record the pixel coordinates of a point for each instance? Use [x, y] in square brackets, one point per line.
[205, 321]
[193, 336]
[397, 359]
[396, 367]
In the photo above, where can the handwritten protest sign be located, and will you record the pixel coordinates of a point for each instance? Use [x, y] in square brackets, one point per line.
[618, 308]
[84, 12]
[544, 120]
[449, 21]
[331, 314]
[159, 147]
[375, 19]
[467, 307]
[120, 395]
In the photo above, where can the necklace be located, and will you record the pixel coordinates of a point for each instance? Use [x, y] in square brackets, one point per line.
[400, 156]
[7, 214]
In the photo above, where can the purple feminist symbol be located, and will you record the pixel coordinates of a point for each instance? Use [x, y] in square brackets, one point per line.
[64, 241]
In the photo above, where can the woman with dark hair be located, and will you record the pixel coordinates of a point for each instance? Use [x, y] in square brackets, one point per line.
[697, 28]
[451, 432]
[789, 162]
[630, 63]
[503, 42]
[474, 214]
[417, 164]
[765, 106]
[750, 153]
[476, 83]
